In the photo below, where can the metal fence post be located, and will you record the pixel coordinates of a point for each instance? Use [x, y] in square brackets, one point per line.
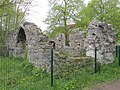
[119, 56]
[95, 60]
[51, 67]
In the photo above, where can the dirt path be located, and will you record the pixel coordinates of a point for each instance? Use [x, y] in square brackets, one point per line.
[115, 85]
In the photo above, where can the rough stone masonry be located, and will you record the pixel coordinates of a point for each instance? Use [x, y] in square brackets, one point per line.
[29, 41]
[101, 36]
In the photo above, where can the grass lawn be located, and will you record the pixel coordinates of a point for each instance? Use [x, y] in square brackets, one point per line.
[19, 74]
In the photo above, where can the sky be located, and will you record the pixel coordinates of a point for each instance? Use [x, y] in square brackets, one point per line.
[38, 12]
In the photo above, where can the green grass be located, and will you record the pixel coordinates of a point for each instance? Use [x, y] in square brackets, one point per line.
[19, 74]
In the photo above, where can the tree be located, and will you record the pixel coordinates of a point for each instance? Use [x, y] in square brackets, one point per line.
[12, 13]
[104, 10]
[62, 12]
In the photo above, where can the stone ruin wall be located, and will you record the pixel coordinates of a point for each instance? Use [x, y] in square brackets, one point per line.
[35, 46]
[60, 41]
[29, 41]
[76, 41]
[101, 36]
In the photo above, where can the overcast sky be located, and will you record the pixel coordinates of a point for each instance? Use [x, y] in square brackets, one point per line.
[38, 12]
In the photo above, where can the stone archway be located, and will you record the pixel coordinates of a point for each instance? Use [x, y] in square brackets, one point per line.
[20, 50]
[21, 36]
[21, 42]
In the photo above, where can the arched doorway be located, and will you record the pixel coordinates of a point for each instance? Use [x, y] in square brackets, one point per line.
[21, 37]
[20, 50]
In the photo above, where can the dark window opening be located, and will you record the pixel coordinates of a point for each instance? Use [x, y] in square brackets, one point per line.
[101, 26]
[21, 35]
[93, 33]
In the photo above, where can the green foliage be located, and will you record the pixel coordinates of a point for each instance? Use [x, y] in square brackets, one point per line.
[103, 10]
[17, 73]
[12, 13]
[60, 14]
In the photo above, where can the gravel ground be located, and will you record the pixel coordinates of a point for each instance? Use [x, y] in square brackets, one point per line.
[115, 85]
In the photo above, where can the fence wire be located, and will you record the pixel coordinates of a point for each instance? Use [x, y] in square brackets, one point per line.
[23, 74]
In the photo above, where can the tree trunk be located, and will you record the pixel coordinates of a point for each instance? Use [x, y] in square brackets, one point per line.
[65, 25]
[67, 39]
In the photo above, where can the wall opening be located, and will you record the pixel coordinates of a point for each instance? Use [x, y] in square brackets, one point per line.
[21, 37]
[21, 43]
